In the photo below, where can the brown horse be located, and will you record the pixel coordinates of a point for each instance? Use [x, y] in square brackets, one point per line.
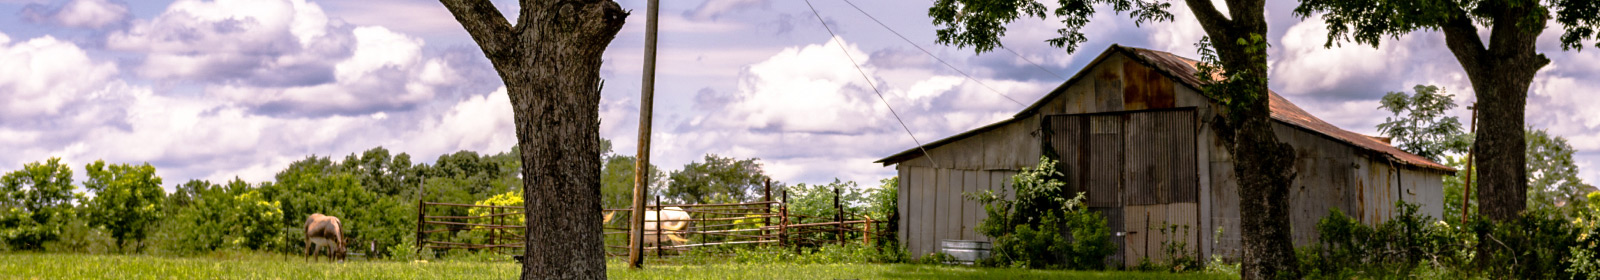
[325, 232]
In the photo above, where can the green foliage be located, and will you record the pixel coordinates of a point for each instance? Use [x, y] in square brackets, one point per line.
[34, 203]
[817, 201]
[127, 200]
[1419, 124]
[1553, 182]
[1176, 247]
[224, 217]
[980, 23]
[616, 181]
[382, 173]
[717, 180]
[1042, 227]
[1536, 245]
[1395, 247]
[883, 204]
[315, 185]
[1241, 92]
[1368, 22]
[1533, 246]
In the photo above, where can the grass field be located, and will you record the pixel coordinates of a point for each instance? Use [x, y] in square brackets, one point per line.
[261, 266]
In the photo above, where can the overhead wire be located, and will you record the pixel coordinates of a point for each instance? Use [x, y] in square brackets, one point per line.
[1035, 65]
[930, 54]
[835, 38]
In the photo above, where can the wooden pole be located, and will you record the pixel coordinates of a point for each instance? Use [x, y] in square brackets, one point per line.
[783, 220]
[641, 168]
[838, 218]
[421, 209]
[659, 217]
[1466, 191]
[766, 195]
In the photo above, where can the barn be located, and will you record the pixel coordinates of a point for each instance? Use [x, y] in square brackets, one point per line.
[1132, 130]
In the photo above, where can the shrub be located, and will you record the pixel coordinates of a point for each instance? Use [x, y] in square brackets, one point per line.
[1396, 246]
[1043, 227]
[1539, 244]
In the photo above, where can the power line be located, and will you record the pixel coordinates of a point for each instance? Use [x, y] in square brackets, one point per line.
[864, 76]
[930, 54]
[1035, 65]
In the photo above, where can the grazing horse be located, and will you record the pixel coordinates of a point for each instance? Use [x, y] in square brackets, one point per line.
[326, 232]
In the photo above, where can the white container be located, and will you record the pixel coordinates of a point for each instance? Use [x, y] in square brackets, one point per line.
[965, 251]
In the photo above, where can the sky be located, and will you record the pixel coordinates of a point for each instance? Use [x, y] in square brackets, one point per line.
[221, 89]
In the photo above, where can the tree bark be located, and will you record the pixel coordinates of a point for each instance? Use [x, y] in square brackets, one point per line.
[550, 63]
[1500, 75]
[1262, 164]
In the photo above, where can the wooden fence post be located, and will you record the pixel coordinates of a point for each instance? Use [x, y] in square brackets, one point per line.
[838, 218]
[766, 209]
[783, 220]
[421, 209]
[658, 226]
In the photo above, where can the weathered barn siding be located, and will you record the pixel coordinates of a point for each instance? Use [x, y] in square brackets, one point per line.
[1332, 173]
[1327, 177]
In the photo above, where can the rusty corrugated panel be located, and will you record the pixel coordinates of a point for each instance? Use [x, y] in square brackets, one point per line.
[1160, 154]
[1144, 88]
[1186, 178]
[1066, 141]
[1105, 160]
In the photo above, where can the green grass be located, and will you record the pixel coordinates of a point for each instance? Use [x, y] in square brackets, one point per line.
[264, 266]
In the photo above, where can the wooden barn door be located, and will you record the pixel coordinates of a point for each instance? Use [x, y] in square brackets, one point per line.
[1137, 169]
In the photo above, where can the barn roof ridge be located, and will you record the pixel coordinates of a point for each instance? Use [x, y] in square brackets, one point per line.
[1183, 70]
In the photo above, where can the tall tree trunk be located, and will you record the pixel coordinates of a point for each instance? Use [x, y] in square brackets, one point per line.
[1262, 164]
[550, 62]
[1500, 76]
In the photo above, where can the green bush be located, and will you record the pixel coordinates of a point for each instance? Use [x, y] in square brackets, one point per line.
[1536, 245]
[1043, 227]
[1396, 247]
[1539, 244]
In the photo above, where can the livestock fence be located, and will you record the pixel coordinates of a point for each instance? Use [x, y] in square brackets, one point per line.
[762, 223]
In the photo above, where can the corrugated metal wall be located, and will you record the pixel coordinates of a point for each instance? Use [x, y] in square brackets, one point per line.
[1134, 166]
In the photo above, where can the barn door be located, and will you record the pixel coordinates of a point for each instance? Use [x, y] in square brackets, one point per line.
[1089, 148]
[1137, 169]
[1160, 183]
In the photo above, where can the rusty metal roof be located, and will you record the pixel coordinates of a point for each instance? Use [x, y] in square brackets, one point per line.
[1183, 70]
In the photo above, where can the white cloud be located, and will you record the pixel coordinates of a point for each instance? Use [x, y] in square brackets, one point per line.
[377, 47]
[92, 14]
[1307, 67]
[39, 77]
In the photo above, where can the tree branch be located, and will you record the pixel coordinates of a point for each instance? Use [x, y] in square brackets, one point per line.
[484, 22]
[1210, 19]
[1462, 39]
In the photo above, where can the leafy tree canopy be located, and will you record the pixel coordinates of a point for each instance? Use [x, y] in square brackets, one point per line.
[1368, 21]
[34, 202]
[717, 180]
[127, 199]
[1419, 123]
[1553, 181]
[981, 23]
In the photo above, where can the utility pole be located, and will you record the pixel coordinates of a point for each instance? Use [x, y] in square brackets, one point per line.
[641, 168]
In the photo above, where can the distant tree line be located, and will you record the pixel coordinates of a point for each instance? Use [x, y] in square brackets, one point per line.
[123, 207]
